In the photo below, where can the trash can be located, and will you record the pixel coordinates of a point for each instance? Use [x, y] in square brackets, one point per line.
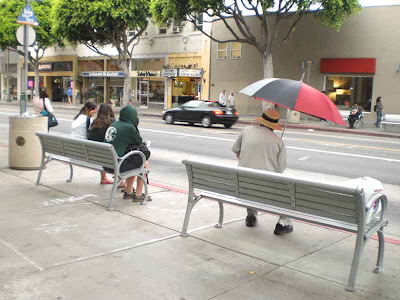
[25, 151]
[294, 116]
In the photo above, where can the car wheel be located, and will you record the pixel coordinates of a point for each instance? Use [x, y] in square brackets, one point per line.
[206, 121]
[169, 119]
[228, 125]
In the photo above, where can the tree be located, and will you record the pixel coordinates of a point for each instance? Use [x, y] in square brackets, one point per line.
[97, 23]
[9, 12]
[270, 15]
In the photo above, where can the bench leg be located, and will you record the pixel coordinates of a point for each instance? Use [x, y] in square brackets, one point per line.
[71, 173]
[191, 203]
[379, 263]
[360, 245]
[146, 190]
[42, 166]
[221, 215]
[114, 188]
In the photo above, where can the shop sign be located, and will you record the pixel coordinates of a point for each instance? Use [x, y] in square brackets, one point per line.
[103, 74]
[169, 72]
[146, 73]
[190, 73]
[45, 67]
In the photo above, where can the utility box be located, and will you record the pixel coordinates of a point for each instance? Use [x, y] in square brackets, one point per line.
[294, 116]
[25, 151]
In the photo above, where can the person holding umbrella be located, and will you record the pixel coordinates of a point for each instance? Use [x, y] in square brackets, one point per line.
[258, 147]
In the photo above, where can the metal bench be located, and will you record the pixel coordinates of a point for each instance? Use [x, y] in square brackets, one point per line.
[359, 122]
[389, 119]
[88, 154]
[336, 206]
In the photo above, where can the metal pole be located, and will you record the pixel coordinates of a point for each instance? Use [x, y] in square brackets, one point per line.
[287, 120]
[22, 108]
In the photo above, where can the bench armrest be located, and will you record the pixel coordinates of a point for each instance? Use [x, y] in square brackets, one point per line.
[383, 199]
[129, 154]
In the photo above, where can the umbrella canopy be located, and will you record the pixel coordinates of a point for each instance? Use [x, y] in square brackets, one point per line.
[295, 95]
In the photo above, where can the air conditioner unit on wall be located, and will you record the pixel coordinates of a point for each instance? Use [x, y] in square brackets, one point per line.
[176, 30]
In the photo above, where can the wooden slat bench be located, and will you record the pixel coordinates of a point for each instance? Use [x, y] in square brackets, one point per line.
[389, 119]
[88, 154]
[336, 206]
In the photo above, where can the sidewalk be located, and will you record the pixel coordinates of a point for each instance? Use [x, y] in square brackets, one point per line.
[369, 129]
[58, 241]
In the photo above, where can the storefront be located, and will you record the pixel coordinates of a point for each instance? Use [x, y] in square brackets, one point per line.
[101, 85]
[150, 88]
[186, 84]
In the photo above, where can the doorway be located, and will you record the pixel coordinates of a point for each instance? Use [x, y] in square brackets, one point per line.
[143, 92]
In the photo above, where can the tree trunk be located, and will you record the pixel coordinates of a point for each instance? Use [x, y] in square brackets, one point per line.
[268, 70]
[127, 83]
[36, 69]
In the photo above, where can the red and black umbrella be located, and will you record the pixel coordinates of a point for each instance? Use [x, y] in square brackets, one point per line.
[295, 95]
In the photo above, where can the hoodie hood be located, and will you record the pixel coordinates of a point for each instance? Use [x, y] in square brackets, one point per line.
[128, 114]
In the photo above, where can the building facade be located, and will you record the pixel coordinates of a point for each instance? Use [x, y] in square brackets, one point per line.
[355, 65]
[9, 62]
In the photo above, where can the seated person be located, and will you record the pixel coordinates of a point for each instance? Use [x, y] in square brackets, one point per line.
[355, 114]
[124, 136]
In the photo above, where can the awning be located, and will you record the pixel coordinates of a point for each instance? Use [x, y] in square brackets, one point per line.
[348, 65]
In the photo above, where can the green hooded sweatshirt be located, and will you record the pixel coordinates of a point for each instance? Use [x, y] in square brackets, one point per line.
[124, 132]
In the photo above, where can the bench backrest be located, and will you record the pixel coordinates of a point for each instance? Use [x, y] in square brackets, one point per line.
[391, 118]
[317, 198]
[91, 152]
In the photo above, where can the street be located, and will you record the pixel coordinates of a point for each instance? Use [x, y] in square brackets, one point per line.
[320, 156]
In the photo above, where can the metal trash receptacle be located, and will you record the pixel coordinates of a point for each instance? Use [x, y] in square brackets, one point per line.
[25, 151]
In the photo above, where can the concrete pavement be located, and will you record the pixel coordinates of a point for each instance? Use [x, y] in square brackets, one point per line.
[58, 241]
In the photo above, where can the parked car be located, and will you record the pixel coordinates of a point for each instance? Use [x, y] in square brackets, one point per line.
[204, 112]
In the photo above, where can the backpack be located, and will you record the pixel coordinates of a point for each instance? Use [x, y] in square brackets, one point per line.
[375, 107]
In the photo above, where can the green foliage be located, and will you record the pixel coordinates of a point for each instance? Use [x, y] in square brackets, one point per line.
[99, 22]
[9, 12]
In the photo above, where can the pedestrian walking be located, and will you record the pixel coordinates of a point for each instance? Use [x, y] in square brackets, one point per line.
[81, 124]
[378, 109]
[42, 102]
[231, 100]
[222, 98]
[105, 117]
[70, 92]
[258, 147]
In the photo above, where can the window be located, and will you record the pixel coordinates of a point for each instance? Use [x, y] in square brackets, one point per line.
[133, 32]
[199, 22]
[62, 66]
[162, 29]
[222, 50]
[236, 50]
[177, 26]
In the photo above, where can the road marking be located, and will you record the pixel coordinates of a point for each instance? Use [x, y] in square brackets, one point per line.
[21, 255]
[303, 158]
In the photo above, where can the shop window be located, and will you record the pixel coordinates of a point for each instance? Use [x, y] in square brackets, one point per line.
[236, 50]
[62, 66]
[177, 26]
[162, 29]
[346, 91]
[199, 22]
[222, 50]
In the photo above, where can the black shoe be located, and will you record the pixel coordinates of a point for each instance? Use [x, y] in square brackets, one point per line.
[251, 221]
[140, 198]
[279, 229]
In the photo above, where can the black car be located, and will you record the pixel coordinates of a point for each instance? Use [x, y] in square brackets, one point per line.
[204, 112]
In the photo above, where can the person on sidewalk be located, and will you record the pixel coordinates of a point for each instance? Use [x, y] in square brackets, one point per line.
[378, 109]
[222, 98]
[82, 121]
[355, 114]
[258, 147]
[38, 102]
[231, 100]
[69, 95]
[105, 117]
[124, 136]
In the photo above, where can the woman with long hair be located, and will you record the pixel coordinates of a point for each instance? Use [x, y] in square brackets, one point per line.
[105, 116]
[81, 123]
[378, 110]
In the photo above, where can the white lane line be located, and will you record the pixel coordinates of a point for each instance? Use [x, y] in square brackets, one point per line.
[303, 158]
[21, 255]
[288, 147]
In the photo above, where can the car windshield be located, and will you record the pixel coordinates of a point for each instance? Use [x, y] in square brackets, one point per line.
[214, 104]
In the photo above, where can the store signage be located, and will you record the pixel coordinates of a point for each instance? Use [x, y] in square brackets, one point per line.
[27, 16]
[103, 74]
[190, 73]
[169, 72]
[147, 73]
[45, 67]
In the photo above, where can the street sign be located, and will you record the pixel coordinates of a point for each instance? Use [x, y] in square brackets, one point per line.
[31, 35]
[27, 16]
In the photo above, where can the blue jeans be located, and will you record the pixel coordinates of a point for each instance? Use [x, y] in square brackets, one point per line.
[378, 118]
